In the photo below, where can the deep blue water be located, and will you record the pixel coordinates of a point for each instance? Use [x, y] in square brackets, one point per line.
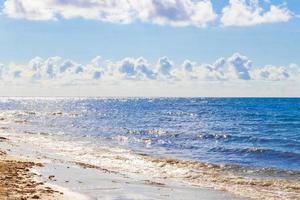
[254, 132]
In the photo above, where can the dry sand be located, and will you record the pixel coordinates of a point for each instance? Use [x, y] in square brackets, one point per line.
[17, 180]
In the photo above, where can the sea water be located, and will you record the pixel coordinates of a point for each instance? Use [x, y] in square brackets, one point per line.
[182, 137]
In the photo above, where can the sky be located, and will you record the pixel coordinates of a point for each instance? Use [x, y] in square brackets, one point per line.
[150, 47]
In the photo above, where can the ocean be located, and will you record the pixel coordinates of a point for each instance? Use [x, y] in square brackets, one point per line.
[248, 137]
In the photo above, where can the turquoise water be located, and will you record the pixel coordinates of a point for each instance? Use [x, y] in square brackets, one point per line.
[249, 132]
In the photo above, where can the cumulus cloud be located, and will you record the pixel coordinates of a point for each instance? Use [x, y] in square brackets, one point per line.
[201, 71]
[176, 12]
[197, 13]
[249, 13]
[130, 69]
[171, 12]
[60, 71]
[165, 66]
[270, 72]
[238, 67]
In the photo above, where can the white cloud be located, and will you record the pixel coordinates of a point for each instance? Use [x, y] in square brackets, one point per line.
[233, 76]
[165, 66]
[205, 72]
[249, 13]
[219, 63]
[176, 12]
[197, 13]
[59, 71]
[171, 12]
[272, 73]
[238, 67]
[130, 69]
[32, 10]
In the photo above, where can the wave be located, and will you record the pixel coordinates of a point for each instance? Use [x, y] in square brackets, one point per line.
[288, 142]
[24, 113]
[259, 151]
[246, 182]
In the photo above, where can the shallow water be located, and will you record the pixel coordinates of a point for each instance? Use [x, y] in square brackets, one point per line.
[250, 147]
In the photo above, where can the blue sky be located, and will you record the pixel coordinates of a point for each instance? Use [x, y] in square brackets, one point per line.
[82, 38]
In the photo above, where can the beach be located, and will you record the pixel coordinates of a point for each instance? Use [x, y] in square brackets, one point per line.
[41, 175]
[32, 175]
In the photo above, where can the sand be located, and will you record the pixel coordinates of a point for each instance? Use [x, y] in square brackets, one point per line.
[17, 180]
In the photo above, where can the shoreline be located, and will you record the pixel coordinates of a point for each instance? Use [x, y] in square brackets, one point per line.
[81, 181]
[113, 173]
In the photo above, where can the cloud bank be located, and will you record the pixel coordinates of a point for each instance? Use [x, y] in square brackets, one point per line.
[197, 13]
[59, 71]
